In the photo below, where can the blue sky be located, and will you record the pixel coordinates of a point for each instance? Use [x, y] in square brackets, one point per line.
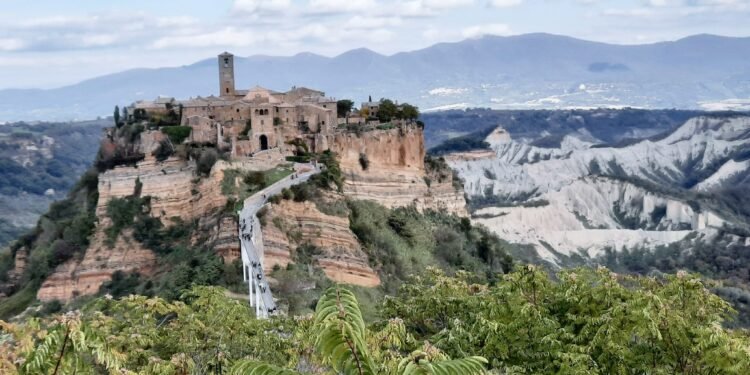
[56, 42]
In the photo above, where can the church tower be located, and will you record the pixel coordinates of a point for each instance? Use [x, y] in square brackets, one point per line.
[226, 74]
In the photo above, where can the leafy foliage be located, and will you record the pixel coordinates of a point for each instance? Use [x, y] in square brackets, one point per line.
[587, 322]
[341, 342]
[177, 134]
[402, 241]
[331, 175]
[581, 321]
[60, 234]
[343, 107]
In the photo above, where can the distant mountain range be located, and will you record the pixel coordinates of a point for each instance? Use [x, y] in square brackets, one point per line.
[525, 71]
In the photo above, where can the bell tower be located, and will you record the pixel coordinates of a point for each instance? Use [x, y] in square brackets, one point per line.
[226, 74]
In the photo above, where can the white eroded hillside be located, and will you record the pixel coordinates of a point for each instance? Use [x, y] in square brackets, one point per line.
[579, 197]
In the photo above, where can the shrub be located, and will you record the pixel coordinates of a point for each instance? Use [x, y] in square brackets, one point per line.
[287, 194]
[122, 212]
[177, 134]
[262, 214]
[163, 151]
[121, 284]
[363, 161]
[276, 199]
[256, 178]
[306, 253]
[331, 175]
[62, 251]
[303, 192]
[206, 161]
[50, 307]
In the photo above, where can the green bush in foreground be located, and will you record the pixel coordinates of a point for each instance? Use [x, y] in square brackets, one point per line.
[581, 321]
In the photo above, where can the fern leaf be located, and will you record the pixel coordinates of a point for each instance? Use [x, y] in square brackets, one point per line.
[248, 367]
[341, 332]
[416, 364]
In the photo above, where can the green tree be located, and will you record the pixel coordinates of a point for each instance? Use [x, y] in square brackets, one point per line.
[408, 112]
[387, 110]
[340, 340]
[116, 115]
[66, 345]
[331, 175]
[343, 107]
[590, 321]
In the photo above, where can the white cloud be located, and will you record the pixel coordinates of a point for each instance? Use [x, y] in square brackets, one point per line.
[446, 4]
[260, 6]
[632, 12]
[367, 22]
[431, 33]
[228, 36]
[11, 44]
[57, 33]
[505, 3]
[486, 29]
[341, 6]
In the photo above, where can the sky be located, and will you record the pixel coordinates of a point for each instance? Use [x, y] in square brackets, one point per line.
[51, 43]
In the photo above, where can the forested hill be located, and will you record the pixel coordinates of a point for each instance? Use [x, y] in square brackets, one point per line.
[39, 163]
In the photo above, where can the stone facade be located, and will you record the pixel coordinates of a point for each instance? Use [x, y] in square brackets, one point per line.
[249, 120]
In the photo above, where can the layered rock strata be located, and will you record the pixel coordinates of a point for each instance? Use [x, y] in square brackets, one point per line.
[387, 166]
[76, 278]
[291, 224]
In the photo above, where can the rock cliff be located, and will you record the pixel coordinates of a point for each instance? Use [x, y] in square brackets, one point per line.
[175, 191]
[291, 224]
[76, 278]
[387, 166]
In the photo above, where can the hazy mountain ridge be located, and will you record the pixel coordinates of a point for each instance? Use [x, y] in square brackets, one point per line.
[525, 71]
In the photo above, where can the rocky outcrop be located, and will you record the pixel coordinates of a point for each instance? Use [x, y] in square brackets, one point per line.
[387, 166]
[395, 175]
[290, 224]
[76, 278]
[175, 191]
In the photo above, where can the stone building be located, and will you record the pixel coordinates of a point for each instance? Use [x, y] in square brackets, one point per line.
[249, 120]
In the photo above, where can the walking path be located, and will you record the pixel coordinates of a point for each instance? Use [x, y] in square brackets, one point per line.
[251, 240]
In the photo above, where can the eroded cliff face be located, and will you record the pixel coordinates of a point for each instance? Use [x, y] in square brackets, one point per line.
[76, 278]
[176, 192]
[395, 174]
[290, 224]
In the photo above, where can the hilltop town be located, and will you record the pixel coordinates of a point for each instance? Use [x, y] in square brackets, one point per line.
[249, 121]
[185, 167]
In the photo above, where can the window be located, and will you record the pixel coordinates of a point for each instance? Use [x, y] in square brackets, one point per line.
[227, 90]
[261, 122]
[238, 110]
